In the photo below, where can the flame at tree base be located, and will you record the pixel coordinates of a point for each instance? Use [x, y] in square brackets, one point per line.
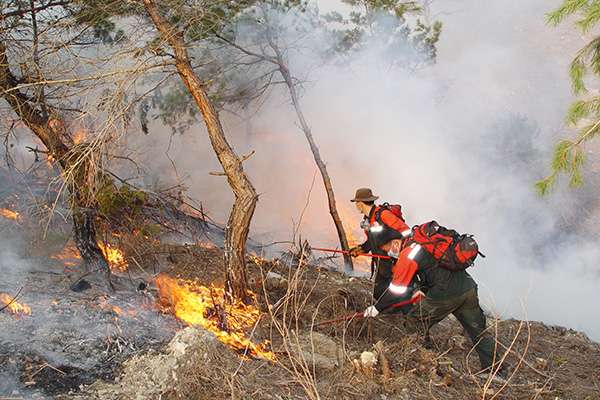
[195, 304]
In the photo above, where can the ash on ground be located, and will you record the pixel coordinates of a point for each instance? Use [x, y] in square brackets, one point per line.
[71, 337]
[75, 346]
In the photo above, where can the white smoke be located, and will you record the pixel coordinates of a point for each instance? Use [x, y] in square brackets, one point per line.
[420, 140]
[419, 147]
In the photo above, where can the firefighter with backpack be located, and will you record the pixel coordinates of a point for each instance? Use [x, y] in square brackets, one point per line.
[381, 224]
[437, 257]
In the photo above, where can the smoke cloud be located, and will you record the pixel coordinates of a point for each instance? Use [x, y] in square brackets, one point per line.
[438, 141]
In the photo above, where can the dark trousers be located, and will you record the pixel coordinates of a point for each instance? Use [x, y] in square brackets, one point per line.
[383, 276]
[466, 309]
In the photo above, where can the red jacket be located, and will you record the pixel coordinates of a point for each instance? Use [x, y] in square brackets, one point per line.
[383, 227]
[405, 268]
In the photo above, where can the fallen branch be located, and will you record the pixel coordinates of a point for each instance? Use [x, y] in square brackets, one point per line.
[44, 365]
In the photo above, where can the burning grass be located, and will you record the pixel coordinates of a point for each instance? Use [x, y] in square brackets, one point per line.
[114, 256]
[208, 306]
[7, 302]
[327, 362]
[10, 214]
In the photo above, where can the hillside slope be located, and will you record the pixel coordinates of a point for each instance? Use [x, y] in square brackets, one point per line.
[324, 362]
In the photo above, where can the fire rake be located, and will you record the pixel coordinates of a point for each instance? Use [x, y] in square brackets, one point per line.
[412, 300]
[347, 252]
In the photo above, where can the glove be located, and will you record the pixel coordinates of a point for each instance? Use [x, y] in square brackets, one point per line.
[371, 312]
[354, 251]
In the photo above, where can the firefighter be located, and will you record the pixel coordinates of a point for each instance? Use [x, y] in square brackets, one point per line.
[381, 224]
[447, 292]
[407, 257]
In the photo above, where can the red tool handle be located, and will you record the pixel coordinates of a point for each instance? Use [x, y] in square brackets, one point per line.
[413, 300]
[347, 252]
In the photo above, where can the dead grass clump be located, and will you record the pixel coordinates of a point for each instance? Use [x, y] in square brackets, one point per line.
[409, 357]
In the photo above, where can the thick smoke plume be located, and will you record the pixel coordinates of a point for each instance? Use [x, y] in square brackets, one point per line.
[460, 142]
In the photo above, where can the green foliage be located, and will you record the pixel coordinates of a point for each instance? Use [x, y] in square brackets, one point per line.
[212, 17]
[122, 207]
[241, 67]
[99, 15]
[568, 157]
[373, 7]
[382, 25]
[567, 8]
[581, 110]
[177, 107]
[114, 201]
[197, 21]
[426, 38]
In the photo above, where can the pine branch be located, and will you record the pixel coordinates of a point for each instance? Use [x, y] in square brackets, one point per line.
[567, 8]
[590, 17]
[568, 156]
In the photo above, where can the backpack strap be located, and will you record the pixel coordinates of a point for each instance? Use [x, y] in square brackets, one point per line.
[377, 214]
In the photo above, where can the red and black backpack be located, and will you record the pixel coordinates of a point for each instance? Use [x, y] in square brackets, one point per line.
[396, 209]
[454, 251]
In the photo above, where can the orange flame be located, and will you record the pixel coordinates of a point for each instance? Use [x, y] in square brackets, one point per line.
[354, 234]
[10, 214]
[258, 260]
[195, 304]
[206, 245]
[67, 255]
[79, 136]
[114, 257]
[16, 308]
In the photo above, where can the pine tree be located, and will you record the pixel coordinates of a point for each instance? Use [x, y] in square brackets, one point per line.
[568, 157]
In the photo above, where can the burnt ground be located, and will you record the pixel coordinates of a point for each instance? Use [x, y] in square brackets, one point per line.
[75, 345]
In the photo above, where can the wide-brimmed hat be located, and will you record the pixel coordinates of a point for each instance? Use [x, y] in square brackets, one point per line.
[364, 194]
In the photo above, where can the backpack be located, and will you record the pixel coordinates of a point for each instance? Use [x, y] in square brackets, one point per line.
[396, 209]
[454, 251]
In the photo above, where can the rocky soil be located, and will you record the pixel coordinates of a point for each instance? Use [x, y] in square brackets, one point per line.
[75, 345]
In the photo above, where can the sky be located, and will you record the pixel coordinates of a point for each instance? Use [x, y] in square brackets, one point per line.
[416, 139]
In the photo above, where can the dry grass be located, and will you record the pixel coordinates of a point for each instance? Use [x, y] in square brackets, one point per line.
[331, 361]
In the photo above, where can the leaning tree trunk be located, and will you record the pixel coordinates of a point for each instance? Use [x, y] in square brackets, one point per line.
[28, 110]
[246, 198]
[337, 221]
[322, 168]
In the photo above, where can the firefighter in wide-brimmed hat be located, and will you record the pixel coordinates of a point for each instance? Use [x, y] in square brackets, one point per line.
[381, 223]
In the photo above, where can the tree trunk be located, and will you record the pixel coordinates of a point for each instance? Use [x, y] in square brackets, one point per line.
[85, 241]
[246, 198]
[279, 62]
[337, 221]
[287, 76]
[51, 135]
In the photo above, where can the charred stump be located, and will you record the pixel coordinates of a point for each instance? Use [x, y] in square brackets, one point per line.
[85, 241]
